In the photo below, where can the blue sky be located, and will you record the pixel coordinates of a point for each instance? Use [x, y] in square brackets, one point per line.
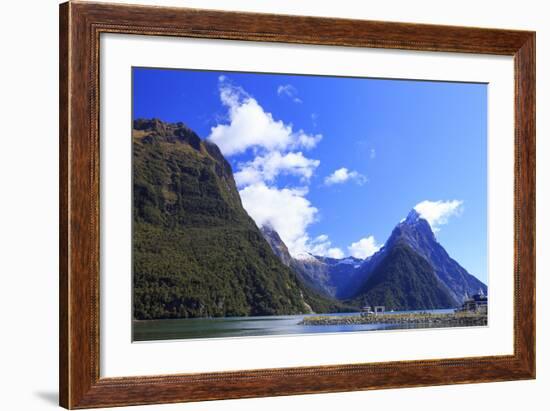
[332, 163]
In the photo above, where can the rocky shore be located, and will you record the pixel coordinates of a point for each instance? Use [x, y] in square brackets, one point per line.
[460, 319]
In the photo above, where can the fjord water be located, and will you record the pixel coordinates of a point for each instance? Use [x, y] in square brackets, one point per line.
[172, 329]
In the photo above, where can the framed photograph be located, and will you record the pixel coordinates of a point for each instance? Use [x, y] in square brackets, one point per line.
[258, 205]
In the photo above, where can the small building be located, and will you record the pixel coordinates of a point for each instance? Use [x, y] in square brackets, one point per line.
[379, 309]
[476, 303]
[366, 309]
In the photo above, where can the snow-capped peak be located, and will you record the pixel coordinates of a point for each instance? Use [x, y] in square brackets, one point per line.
[304, 256]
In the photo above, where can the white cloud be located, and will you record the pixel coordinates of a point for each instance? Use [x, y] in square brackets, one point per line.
[275, 146]
[364, 248]
[267, 168]
[372, 154]
[342, 175]
[289, 213]
[322, 246]
[290, 91]
[437, 213]
[286, 210]
[307, 141]
[251, 126]
[335, 253]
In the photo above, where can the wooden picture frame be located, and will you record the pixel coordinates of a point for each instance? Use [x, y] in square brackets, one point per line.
[80, 27]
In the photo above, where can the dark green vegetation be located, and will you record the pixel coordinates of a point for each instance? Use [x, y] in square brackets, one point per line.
[404, 280]
[196, 252]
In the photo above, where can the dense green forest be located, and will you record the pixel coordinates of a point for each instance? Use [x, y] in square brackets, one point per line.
[196, 252]
[404, 280]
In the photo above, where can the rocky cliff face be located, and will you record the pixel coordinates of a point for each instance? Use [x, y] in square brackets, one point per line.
[276, 244]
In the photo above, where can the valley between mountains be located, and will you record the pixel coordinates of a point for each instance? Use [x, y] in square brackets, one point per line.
[198, 254]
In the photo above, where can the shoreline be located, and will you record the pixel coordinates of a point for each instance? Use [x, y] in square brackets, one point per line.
[449, 319]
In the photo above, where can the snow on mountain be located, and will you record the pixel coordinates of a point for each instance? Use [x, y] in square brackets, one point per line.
[305, 256]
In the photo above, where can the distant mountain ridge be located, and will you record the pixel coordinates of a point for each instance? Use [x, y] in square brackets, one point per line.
[323, 274]
[411, 271]
[315, 273]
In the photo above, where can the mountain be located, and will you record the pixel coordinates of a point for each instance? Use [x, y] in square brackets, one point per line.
[196, 252]
[315, 273]
[404, 280]
[324, 274]
[416, 235]
[341, 271]
[411, 272]
[277, 245]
